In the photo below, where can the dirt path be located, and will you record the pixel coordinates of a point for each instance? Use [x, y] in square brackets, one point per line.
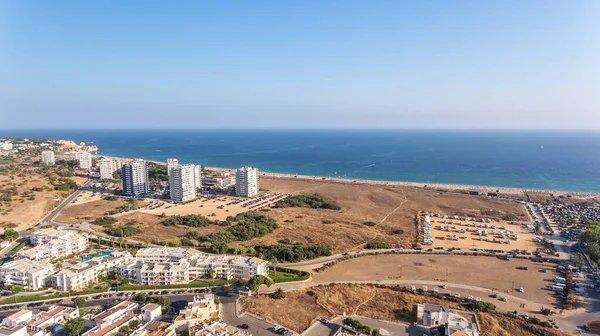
[396, 209]
[365, 302]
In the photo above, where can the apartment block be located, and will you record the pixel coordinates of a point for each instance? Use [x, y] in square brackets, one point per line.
[182, 183]
[50, 244]
[20, 317]
[171, 164]
[197, 176]
[172, 265]
[48, 157]
[215, 329]
[151, 312]
[25, 273]
[156, 328]
[84, 158]
[108, 322]
[149, 273]
[53, 315]
[135, 178]
[246, 182]
[201, 309]
[85, 273]
[106, 168]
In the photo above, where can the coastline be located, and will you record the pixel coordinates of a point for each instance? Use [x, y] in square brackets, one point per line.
[421, 185]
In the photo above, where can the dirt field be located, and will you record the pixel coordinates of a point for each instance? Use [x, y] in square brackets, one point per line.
[153, 230]
[86, 210]
[486, 272]
[391, 208]
[300, 309]
[472, 240]
[29, 211]
[205, 207]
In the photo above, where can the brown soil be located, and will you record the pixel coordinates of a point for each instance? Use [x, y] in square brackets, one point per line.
[485, 272]
[300, 309]
[153, 230]
[391, 208]
[77, 213]
[26, 213]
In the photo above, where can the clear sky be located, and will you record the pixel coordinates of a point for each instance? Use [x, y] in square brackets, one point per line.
[300, 64]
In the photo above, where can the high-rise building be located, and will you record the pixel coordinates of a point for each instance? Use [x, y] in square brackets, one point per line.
[198, 176]
[85, 159]
[48, 157]
[182, 183]
[171, 164]
[135, 178]
[106, 168]
[246, 181]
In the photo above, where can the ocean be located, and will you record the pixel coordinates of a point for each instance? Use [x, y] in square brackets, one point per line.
[568, 161]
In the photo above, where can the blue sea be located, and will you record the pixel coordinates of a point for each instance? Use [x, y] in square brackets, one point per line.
[567, 161]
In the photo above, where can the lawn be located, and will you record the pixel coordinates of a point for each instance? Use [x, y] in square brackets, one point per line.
[287, 275]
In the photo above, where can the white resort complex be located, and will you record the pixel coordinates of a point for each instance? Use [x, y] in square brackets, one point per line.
[51, 244]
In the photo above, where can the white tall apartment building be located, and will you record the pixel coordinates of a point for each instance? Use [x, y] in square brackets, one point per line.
[198, 176]
[50, 244]
[149, 273]
[25, 273]
[106, 168]
[85, 273]
[135, 178]
[85, 159]
[246, 182]
[182, 183]
[48, 157]
[171, 164]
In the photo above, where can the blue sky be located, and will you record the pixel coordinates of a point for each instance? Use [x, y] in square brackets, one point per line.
[300, 64]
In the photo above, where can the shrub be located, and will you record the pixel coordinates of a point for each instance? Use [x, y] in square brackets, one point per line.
[308, 201]
[187, 220]
[278, 294]
[105, 221]
[377, 245]
[326, 221]
[398, 232]
[369, 223]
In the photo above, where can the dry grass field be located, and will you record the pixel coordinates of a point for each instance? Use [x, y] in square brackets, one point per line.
[207, 207]
[87, 210]
[485, 272]
[23, 211]
[300, 309]
[391, 208]
[153, 230]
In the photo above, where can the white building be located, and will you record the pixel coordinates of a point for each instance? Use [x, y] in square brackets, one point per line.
[6, 146]
[17, 318]
[135, 178]
[175, 265]
[151, 312]
[171, 164]
[25, 273]
[182, 183]
[20, 330]
[148, 273]
[197, 176]
[85, 159]
[85, 273]
[202, 309]
[108, 322]
[106, 168]
[53, 315]
[50, 244]
[246, 182]
[48, 157]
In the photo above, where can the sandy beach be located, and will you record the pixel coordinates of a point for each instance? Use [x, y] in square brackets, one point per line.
[424, 185]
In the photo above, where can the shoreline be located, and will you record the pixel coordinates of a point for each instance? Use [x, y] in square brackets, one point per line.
[421, 185]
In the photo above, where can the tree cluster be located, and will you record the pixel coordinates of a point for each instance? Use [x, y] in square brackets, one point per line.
[314, 201]
[291, 253]
[257, 280]
[157, 172]
[187, 220]
[377, 245]
[248, 225]
[591, 240]
[354, 324]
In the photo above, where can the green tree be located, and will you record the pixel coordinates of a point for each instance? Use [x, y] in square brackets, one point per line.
[278, 294]
[125, 330]
[74, 326]
[11, 234]
[135, 324]
[79, 302]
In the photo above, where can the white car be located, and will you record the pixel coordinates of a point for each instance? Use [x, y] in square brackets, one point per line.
[504, 299]
[443, 286]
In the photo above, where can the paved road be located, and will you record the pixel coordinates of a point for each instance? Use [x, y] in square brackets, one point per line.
[386, 328]
[257, 326]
